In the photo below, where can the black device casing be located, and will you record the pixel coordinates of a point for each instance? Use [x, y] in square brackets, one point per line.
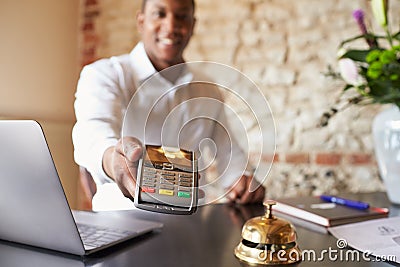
[159, 206]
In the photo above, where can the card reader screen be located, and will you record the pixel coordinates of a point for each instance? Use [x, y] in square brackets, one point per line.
[169, 158]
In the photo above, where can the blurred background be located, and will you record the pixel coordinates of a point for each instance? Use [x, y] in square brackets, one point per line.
[39, 68]
[284, 46]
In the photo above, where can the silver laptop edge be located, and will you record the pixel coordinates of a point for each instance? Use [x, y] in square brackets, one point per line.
[32, 200]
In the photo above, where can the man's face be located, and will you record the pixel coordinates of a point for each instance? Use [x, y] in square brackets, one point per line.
[166, 27]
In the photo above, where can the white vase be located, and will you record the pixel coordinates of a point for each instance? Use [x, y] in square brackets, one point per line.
[386, 134]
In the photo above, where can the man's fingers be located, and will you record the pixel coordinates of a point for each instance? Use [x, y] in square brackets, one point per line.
[130, 186]
[133, 151]
[241, 186]
[237, 190]
[128, 151]
[131, 148]
[202, 194]
[253, 197]
[246, 197]
[125, 179]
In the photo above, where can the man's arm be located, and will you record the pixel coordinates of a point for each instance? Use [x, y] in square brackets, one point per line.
[99, 114]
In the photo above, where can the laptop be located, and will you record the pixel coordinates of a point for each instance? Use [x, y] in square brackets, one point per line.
[15, 254]
[34, 209]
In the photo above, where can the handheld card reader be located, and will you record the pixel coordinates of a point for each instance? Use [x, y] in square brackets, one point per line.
[167, 180]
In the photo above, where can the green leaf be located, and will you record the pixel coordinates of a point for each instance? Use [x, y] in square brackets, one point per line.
[387, 56]
[373, 56]
[379, 88]
[347, 87]
[356, 55]
[390, 98]
[392, 70]
[375, 70]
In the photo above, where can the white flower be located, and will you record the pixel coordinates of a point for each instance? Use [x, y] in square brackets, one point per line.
[349, 72]
[341, 51]
[380, 9]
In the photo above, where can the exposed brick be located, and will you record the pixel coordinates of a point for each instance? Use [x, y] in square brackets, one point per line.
[91, 14]
[268, 158]
[359, 159]
[264, 157]
[298, 158]
[90, 38]
[91, 2]
[90, 51]
[328, 158]
[88, 55]
[88, 26]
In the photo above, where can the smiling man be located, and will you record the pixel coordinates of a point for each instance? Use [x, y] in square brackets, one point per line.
[166, 28]
[105, 89]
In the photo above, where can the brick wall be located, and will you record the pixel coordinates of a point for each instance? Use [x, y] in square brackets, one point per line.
[284, 46]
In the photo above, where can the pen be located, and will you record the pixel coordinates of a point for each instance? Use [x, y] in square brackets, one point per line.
[346, 202]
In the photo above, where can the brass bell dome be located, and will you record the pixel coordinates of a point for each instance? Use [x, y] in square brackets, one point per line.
[268, 240]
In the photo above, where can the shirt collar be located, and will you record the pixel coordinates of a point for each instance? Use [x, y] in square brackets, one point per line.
[144, 69]
[141, 64]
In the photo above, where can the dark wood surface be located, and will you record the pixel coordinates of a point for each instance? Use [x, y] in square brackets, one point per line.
[206, 238]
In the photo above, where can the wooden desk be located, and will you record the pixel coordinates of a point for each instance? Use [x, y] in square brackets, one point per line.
[206, 238]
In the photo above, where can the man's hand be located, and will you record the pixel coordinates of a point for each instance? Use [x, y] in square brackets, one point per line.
[120, 163]
[240, 192]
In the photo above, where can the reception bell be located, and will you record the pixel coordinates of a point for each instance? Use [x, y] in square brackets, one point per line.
[268, 240]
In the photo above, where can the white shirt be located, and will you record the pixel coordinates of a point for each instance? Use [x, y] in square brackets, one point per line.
[180, 114]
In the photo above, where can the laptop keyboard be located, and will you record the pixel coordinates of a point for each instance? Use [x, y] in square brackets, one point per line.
[95, 236]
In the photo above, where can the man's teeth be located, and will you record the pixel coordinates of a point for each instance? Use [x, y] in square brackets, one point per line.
[167, 41]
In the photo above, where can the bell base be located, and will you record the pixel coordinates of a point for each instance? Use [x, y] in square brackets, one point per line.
[256, 257]
[246, 264]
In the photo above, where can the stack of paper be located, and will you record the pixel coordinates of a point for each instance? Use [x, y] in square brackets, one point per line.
[380, 237]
